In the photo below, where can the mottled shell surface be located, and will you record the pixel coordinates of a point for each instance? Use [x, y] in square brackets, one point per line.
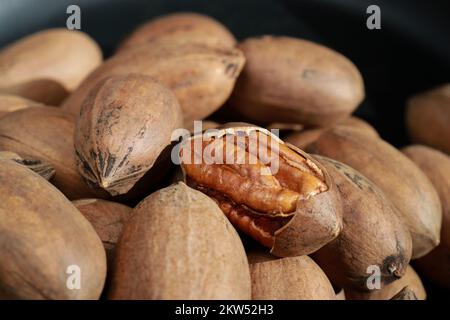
[179, 245]
[125, 124]
[201, 76]
[396, 175]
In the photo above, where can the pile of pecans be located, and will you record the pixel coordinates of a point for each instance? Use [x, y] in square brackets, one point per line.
[108, 188]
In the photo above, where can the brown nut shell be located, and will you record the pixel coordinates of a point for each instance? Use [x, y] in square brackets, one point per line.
[201, 77]
[182, 26]
[294, 211]
[304, 137]
[340, 294]
[372, 234]
[179, 245]
[125, 124]
[48, 62]
[107, 218]
[436, 165]
[43, 237]
[428, 118]
[45, 91]
[355, 123]
[205, 125]
[293, 80]
[292, 278]
[10, 103]
[42, 168]
[46, 133]
[396, 175]
[388, 291]
[405, 294]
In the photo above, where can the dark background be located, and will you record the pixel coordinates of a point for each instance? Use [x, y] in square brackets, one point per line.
[410, 53]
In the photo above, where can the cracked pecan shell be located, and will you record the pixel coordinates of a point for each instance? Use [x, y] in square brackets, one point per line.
[291, 208]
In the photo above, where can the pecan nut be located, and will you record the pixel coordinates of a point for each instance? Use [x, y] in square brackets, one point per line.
[270, 190]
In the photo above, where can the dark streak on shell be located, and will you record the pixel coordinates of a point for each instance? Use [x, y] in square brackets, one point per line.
[124, 125]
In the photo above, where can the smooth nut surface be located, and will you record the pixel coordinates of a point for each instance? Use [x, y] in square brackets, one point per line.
[293, 80]
[436, 165]
[183, 26]
[48, 63]
[428, 116]
[179, 245]
[44, 241]
[303, 137]
[292, 278]
[10, 103]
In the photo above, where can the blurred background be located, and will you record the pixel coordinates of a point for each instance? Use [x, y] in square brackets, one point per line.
[411, 52]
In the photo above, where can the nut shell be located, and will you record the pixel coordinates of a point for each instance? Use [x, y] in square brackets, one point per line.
[405, 294]
[396, 175]
[10, 103]
[42, 235]
[107, 218]
[184, 26]
[436, 165]
[428, 118]
[292, 278]
[46, 133]
[179, 245]
[388, 291]
[125, 124]
[50, 62]
[44, 169]
[294, 80]
[201, 77]
[354, 123]
[372, 235]
[304, 137]
[316, 220]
